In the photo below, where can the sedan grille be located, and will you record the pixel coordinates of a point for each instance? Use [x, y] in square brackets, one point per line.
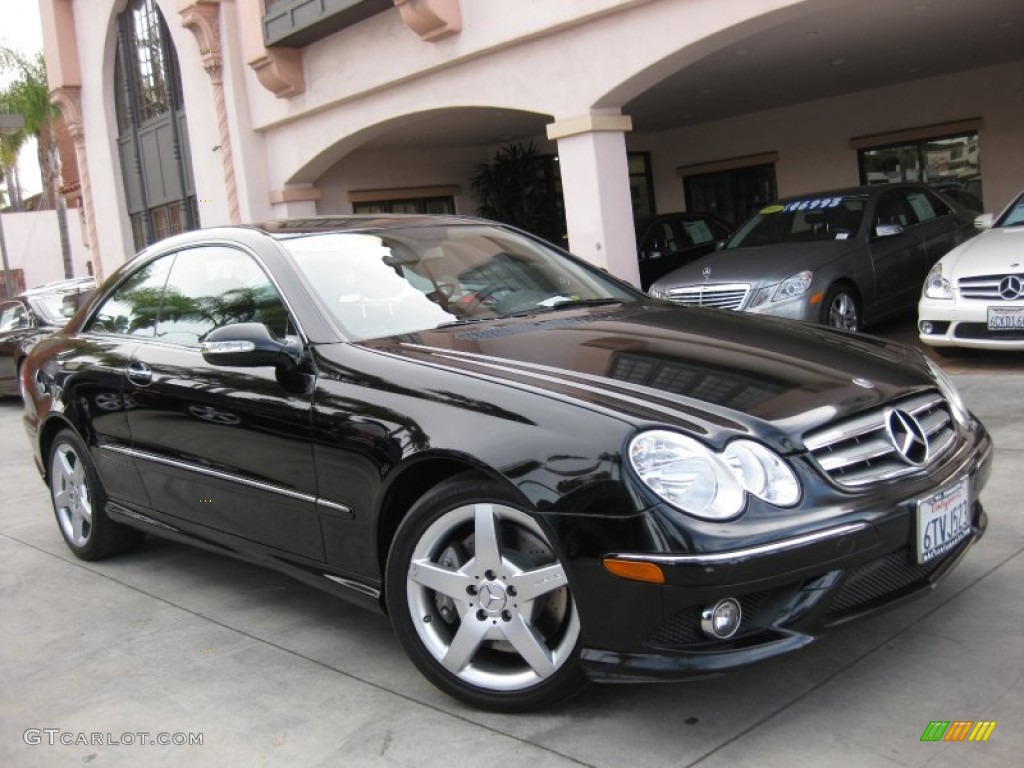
[723, 296]
[991, 287]
[861, 450]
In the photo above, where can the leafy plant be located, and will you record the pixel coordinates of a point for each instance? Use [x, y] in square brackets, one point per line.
[517, 188]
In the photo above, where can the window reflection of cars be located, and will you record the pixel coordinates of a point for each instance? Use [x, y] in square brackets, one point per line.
[973, 298]
[26, 318]
[846, 258]
[668, 241]
[538, 473]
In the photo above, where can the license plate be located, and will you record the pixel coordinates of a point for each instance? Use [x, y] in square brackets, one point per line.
[943, 521]
[1006, 318]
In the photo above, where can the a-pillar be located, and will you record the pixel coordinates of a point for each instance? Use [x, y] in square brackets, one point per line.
[595, 185]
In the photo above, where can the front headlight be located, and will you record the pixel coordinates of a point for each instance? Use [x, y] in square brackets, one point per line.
[793, 286]
[935, 285]
[951, 393]
[705, 484]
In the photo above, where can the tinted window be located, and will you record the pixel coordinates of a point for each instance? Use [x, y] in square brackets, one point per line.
[893, 208]
[1014, 216]
[211, 286]
[925, 205]
[133, 308]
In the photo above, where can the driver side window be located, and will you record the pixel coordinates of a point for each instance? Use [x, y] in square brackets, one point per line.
[212, 286]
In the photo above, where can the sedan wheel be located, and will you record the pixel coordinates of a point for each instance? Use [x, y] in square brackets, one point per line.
[481, 601]
[841, 310]
[78, 501]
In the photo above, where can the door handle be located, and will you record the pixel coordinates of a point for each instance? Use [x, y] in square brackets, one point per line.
[140, 374]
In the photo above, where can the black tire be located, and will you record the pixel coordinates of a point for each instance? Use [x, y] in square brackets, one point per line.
[511, 643]
[841, 309]
[79, 503]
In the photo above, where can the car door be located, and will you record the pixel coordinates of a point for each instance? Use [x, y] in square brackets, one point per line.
[222, 447]
[895, 258]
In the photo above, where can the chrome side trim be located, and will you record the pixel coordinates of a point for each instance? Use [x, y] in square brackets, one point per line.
[739, 555]
[125, 512]
[136, 454]
[354, 585]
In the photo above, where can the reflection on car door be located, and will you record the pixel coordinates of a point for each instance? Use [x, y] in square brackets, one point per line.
[227, 448]
[896, 259]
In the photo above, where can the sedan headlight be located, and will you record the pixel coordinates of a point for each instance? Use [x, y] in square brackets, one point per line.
[951, 393]
[936, 286]
[706, 484]
[790, 288]
[793, 286]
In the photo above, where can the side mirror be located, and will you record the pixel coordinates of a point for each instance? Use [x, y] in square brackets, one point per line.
[888, 230]
[250, 345]
[985, 221]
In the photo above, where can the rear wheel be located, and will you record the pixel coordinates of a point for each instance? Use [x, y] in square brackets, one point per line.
[79, 501]
[481, 602]
[841, 309]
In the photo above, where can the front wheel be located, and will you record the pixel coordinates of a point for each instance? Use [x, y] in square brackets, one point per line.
[79, 500]
[481, 602]
[841, 309]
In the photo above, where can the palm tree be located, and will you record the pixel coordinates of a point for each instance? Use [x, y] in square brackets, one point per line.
[29, 95]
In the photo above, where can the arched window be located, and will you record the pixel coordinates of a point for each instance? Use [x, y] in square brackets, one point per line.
[152, 131]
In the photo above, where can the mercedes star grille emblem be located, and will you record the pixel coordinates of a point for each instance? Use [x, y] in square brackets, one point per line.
[907, 437]
[1010, 287]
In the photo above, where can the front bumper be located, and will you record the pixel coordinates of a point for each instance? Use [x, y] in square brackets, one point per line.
[791, 591]
[961, 323]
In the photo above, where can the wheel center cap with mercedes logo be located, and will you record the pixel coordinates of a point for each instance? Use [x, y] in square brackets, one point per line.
[492, 598]
[907, 437]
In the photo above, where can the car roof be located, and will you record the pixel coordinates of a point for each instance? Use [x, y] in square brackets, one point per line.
[357, 222]
[60, 286]
[868, 190]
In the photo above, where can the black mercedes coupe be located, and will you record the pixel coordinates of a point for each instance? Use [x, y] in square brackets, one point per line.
[541, 475]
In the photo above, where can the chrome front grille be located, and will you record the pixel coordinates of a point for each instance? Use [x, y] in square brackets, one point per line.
[987, 287]
[720, 296]
[859, 450]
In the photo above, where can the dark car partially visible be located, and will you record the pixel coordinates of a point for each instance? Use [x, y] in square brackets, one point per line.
[667, 241]
[26, 318]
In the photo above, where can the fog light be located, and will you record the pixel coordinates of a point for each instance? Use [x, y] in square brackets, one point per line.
[721, 620]
[926, 327]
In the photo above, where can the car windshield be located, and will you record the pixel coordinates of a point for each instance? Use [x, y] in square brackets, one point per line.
[50, 306]
[1014, 215]
[406, 280]
[806, 219]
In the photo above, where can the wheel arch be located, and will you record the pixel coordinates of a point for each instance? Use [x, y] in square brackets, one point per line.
[411, 483]
[850, 285]
[48, 432]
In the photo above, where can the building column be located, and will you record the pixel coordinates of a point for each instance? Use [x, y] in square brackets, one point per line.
[295, 201]
[68, 99]
[595, 185]
[202, 19]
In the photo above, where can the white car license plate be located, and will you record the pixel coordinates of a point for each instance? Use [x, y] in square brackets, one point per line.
[1006, 318]
[943, 520]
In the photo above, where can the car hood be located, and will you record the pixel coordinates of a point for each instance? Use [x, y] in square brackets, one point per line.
[711, 372]
[759, 265]
[993, 252]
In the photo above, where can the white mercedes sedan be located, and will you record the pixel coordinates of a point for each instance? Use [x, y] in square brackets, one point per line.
[974, 295]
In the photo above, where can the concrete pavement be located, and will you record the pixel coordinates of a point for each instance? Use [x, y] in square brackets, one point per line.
[171, 642]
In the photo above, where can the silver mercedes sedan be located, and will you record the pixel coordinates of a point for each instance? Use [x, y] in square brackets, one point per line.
[847, 258]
